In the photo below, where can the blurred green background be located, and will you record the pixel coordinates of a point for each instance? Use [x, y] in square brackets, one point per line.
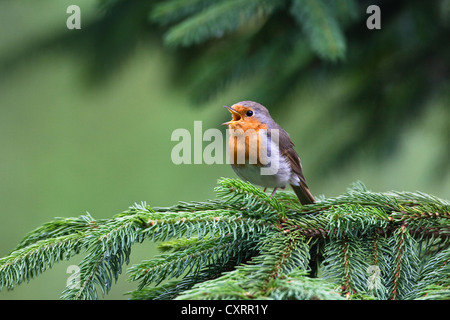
[71, 143]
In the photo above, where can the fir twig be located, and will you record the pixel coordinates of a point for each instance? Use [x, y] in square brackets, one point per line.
[248, 245]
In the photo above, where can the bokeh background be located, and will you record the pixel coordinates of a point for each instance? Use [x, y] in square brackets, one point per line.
[86, 116]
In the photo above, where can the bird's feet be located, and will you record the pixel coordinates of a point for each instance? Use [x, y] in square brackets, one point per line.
[274, 190]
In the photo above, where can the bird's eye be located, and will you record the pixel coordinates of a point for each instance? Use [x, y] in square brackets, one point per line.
[249, 113]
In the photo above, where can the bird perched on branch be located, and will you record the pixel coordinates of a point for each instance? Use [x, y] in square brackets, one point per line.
[261, 152]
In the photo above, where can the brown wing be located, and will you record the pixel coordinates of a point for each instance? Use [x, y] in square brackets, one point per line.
[287, 149]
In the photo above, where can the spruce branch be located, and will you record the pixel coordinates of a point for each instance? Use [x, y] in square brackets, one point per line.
[346, 264]
[434, 279]
[212, 21]
[256, 201]
[109, 248]
[215, 251]
[405, 264]
[28, 262]
[59, 227]
[170, 11]
[248, 245]
[298, 286]
[321, 27]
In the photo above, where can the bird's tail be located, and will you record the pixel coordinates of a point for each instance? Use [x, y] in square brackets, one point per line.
[303, 194]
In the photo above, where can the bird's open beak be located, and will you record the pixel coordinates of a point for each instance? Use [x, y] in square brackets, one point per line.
[236, 116]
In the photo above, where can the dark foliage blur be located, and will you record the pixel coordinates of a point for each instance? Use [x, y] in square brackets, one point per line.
[392, 73]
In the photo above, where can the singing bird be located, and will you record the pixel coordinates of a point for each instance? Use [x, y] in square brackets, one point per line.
[261, 152]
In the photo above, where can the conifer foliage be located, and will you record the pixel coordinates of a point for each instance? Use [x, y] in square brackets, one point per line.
[248, 245]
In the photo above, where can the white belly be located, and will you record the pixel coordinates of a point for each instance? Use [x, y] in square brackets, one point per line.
[274, 174]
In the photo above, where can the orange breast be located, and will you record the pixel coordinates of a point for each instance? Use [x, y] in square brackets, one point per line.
[245, 143]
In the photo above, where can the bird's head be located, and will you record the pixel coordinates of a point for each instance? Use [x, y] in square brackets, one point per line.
[248, 115]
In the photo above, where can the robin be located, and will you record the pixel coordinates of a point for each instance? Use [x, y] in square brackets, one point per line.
[262, 153]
